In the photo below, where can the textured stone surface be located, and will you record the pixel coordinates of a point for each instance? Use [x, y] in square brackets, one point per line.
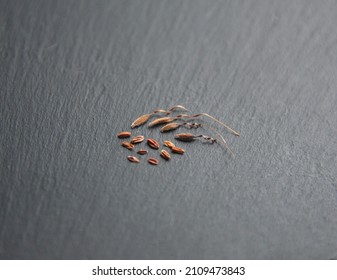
[75, 73]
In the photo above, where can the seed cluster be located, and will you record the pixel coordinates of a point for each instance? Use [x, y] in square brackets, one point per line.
[169, 125]
[152, 143]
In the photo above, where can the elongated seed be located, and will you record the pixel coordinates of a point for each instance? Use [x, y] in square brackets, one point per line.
[177, 150]
[142, 152]
[186, 137]
[133, 159]
[153, 161]
[170, 126]
[153, 143]
[127, 145]
[141, 120]
[161, 121]
[165, 154]
[124, 134]
[169, 144]
[137, 139]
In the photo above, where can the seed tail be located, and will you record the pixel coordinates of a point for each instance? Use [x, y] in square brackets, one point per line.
[225, 144]
[159, 111]
[222, 140]
[224, 125]
[180, 107]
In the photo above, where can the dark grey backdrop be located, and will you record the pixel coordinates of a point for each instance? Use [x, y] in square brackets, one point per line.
[74, 73]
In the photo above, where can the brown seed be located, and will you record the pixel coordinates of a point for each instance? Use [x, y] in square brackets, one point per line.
[141, 120]
[170, 126]
[133, 159]
[137, 139]
[186, 137]
[161, 121]
[124, 134]
[127, 145]
[177, 150]
[169, 144]
[153, 143]
[165, 154]
[153, 161]
[142, 152]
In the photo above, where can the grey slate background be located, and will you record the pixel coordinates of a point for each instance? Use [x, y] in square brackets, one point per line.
[74, 73]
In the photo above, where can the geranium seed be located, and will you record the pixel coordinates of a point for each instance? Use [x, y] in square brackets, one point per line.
[165, 154]
[177, 150]
[142, 152]
[170, 126]
[161, 121]
[169, 144]
[186, 137]
[153, 143]
[137, 139]
[141, 120]
[133, 159]
[153, 161]
[124, 134]
[127, 145]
